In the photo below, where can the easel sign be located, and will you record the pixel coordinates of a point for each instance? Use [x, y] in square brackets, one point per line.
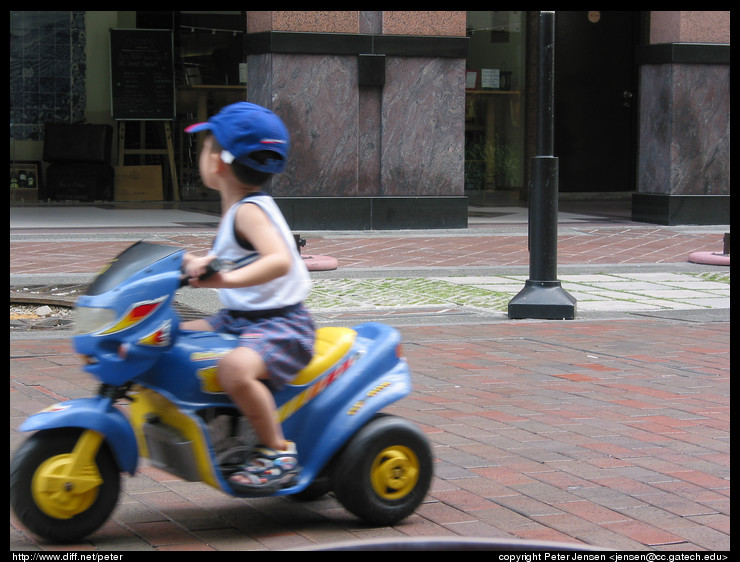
[142, 74]
[143, 88]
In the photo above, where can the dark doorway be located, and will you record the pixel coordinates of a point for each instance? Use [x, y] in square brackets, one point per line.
[596, 100]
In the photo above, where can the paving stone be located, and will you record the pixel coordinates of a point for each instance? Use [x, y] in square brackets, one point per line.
[609, 430]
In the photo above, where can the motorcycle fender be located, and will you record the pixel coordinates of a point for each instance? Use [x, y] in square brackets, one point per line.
[97, 414]
[334, 430]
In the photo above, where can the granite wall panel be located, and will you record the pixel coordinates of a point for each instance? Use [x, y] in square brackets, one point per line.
[316, 98]
[685, 130]
[423, 127]
[406, 139]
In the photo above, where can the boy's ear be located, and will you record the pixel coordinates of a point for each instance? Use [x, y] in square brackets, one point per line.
[222, 168]
[215, 163]
[221, 165]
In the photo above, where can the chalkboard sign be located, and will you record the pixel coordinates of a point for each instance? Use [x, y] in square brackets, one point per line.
[142, 74]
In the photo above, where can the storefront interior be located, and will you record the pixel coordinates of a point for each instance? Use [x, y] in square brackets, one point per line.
[210, 71]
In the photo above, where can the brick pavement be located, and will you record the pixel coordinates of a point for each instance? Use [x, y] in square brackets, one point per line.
[579, 432]
[583, 245]
[612, 433]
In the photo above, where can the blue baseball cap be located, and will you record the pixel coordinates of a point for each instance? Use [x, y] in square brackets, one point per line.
[243, 128]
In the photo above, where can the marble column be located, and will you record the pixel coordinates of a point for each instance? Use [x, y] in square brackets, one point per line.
[684, 153]
[684, 158]
[368, 152]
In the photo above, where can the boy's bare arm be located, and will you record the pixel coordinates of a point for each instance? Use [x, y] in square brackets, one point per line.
[274, 261]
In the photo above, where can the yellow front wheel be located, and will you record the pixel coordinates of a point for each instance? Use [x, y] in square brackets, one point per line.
[64, 483]
[384, 472]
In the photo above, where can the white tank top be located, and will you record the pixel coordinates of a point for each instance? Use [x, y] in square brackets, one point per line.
[292, 288]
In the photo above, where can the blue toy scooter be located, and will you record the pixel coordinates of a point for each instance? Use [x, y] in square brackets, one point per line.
[160, 398]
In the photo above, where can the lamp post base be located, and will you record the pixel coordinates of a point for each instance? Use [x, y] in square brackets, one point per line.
[545, 300]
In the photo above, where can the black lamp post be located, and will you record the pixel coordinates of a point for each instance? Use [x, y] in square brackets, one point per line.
[542, 295]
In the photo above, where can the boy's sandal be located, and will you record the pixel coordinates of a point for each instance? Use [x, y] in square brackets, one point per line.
[266, 471]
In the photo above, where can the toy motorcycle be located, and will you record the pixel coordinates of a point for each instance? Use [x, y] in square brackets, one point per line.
[160, 398]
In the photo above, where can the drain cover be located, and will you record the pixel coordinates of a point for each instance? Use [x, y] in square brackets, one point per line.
[62, 295]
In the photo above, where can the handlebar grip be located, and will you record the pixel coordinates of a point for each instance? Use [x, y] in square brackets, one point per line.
[215, 266]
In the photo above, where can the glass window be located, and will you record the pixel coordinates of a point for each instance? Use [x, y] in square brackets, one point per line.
[211, 47]
[47, 71]
[494, 112]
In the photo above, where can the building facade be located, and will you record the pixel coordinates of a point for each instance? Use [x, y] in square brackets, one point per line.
[376, 100]
[401, 119]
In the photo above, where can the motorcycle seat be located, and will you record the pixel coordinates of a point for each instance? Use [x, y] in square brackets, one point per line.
[332, 343]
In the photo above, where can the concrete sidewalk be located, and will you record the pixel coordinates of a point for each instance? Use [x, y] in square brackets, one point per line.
[611, 430]
[608, 263]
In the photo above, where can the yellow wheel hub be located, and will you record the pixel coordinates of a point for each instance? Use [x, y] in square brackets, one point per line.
[67, 484]
[395, 472]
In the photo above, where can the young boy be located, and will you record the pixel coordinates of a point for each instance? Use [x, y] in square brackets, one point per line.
[263, 301]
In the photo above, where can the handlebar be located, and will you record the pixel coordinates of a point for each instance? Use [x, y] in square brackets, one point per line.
[217, 265]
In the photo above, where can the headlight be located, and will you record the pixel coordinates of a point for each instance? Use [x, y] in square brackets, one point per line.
[88, 320]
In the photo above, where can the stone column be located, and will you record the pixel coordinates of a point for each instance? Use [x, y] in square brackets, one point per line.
[684, 154]
[375, 105]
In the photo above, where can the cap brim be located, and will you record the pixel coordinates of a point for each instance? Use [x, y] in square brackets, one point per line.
[198, 127]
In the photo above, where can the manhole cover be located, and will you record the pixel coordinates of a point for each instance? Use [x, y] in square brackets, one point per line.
[61, 295]
[50, 306]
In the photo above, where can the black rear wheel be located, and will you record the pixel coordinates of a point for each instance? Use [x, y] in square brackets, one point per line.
[385, 471]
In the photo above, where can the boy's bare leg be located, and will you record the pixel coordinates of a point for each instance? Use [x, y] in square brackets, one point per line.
[199, 325]
[239, 373]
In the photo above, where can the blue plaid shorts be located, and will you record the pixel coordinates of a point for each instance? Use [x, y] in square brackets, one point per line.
[284, 338]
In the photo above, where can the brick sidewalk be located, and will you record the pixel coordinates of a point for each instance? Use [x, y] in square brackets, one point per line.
[608, 433]
[612, 433]
[584, 245]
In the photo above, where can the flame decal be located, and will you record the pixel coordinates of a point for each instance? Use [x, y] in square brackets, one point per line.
[159, 337]
[135, 314]
[300, 400]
